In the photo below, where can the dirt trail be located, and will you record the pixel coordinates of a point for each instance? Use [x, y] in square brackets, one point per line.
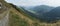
[4, 21]
[4, 15]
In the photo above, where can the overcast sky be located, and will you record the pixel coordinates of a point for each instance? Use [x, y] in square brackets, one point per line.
[35, 2]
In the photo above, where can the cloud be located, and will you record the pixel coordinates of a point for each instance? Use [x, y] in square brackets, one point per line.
[35, 2]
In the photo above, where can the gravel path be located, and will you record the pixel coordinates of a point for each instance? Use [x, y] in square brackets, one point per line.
[4, 17]
[4, 21]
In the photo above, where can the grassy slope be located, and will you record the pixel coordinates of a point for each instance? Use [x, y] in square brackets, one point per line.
[20, 19]
[17, 18]
[23, 17]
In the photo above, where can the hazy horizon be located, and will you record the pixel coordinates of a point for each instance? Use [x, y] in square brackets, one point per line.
[53, 3]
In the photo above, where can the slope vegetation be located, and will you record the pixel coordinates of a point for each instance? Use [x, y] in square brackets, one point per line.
[19, 18]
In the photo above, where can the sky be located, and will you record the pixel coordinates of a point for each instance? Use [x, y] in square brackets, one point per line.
[54, 3]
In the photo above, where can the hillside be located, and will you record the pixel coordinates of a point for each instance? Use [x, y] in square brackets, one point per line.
[54, 12]
[17, 17]
[27, 21]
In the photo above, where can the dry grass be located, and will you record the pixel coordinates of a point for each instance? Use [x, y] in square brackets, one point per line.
[26, 21]
[18, 19]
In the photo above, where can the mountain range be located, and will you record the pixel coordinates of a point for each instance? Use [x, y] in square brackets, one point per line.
[21, 16]
[44, 12]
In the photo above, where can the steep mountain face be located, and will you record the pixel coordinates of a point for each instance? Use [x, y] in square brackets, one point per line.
[39, 9]
[42, 8]
[54, 13]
